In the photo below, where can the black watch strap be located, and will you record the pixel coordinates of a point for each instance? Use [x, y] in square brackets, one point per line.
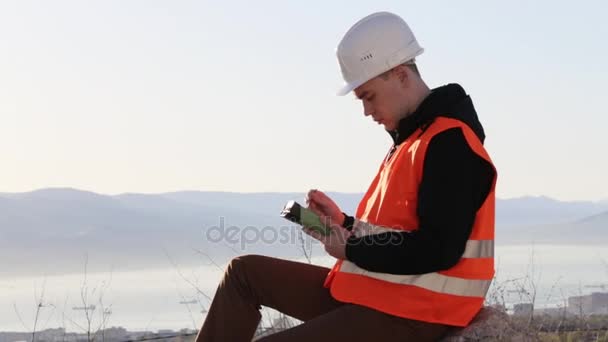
[349, 222]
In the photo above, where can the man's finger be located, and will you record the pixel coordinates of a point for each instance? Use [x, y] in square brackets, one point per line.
[313, 233]
[314, 207]
[311, 194]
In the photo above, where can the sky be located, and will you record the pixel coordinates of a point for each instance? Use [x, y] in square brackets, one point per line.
[152, 96]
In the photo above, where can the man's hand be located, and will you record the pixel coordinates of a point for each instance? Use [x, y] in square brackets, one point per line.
[334, 243]
[325, 207]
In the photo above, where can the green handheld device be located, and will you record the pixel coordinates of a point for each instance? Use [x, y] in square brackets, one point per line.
[294, 212]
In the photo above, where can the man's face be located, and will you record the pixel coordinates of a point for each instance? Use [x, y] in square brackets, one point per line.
[384, 99]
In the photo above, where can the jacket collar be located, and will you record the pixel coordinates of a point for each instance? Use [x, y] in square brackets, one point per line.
[447, 101]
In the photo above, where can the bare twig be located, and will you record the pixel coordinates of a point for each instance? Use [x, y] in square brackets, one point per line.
[187, 304]
[39, 305]
[179, 272]
[307, 253]
[19, 316]
[210, 259]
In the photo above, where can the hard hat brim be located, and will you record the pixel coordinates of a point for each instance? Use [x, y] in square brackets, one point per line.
[348, 87]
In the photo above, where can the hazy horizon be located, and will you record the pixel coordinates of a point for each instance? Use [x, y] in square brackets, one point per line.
[539, 196]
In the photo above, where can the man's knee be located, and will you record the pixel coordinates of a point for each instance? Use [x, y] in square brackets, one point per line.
[242, 263]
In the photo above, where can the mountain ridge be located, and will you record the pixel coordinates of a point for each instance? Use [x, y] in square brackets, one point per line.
[138, 230]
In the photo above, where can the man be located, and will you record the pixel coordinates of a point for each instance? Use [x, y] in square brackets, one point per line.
[417, 257]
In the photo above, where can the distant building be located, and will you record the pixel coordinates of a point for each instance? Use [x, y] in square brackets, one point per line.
[187, 331]
[523, 309]
[553, 312]
[595, 303]
[114, 334]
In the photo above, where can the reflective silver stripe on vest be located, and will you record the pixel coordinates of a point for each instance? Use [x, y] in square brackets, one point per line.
[479, 249]
[431, 281]
[362, 228]
[473, 249]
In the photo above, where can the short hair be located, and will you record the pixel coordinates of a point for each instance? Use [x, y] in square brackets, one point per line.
[411, 64]
[414, 67]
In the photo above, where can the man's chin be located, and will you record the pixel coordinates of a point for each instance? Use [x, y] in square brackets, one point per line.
[388, 126]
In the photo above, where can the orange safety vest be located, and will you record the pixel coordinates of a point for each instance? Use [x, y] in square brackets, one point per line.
[452, 296]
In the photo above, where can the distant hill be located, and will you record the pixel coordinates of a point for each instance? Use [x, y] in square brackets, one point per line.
[51, 230]
[544, 210]
[590, 230]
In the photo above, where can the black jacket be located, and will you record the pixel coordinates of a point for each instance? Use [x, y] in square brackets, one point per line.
[455, 183]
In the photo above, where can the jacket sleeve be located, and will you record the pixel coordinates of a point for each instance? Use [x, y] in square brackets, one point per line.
[455, 183]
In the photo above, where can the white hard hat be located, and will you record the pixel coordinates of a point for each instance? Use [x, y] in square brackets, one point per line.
[375, 44]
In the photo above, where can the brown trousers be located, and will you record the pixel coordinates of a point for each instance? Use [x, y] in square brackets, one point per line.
[296, 289]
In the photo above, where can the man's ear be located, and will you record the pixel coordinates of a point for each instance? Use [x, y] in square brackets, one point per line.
[401, 72]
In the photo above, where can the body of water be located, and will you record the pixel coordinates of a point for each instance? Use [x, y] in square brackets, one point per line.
[176, 297]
